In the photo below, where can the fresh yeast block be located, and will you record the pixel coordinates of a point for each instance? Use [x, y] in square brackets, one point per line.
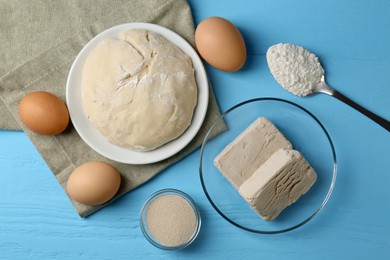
[242, 157]
[278, 183]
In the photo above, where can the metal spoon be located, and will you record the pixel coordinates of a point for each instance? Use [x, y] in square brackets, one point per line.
[326, 89]
[297, 70]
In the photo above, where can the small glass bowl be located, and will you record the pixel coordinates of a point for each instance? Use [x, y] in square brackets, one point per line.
[144, 227]
[307, 135]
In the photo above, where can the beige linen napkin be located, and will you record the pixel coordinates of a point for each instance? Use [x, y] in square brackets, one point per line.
[48, 71]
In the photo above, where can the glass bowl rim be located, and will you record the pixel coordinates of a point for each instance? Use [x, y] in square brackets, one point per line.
[154, 196]
[325, 200]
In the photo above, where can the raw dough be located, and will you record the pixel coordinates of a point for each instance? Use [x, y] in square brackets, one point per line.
[139, 91]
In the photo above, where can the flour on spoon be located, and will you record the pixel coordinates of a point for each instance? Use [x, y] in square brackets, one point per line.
[294, 68]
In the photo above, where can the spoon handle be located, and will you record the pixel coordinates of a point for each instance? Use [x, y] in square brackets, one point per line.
[380, 120]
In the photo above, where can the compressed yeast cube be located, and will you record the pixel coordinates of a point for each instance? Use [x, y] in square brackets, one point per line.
[249, 151]
[278, 183]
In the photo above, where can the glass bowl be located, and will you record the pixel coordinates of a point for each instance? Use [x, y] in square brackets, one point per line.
[148, 234]
[307, 135]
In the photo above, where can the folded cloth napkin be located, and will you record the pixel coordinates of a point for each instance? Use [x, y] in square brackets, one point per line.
[48, 71]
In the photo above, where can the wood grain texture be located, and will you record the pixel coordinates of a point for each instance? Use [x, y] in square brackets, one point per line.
[37, 221]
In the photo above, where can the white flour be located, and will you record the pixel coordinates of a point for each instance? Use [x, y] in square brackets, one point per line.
[294, 68]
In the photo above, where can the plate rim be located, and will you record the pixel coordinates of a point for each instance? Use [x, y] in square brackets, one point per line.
[300, 224]
[131, 156]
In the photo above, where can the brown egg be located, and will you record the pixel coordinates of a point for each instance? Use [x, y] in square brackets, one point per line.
[93, 183]
[43, 113]
[221, 44]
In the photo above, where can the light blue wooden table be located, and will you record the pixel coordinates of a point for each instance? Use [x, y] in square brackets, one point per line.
[352, 39]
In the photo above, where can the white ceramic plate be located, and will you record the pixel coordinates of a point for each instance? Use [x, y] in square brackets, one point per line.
[97, 141]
